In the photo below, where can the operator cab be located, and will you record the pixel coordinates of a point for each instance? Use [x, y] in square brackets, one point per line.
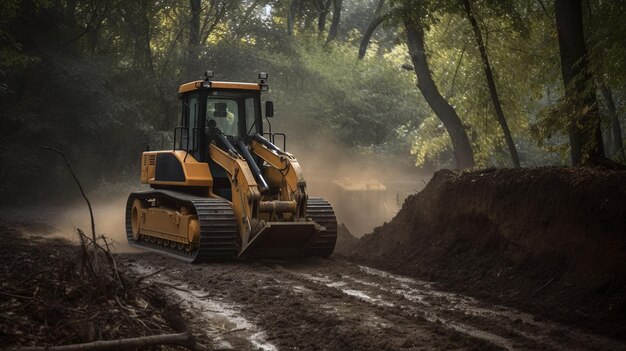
[211, 108]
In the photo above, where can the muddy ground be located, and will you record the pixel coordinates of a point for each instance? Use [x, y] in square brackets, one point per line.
[334, 304]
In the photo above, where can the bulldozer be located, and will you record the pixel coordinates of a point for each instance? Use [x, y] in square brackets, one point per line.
[225, 190]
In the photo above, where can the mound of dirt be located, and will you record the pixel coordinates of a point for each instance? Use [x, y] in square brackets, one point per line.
[550, 240]
[345, 241]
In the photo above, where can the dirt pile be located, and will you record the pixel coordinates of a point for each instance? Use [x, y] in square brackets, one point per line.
[345, 241]
[551, 240]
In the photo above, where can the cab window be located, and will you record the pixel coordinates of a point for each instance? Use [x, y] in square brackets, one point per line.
[225, 113]
[189, 122]
[251, 126]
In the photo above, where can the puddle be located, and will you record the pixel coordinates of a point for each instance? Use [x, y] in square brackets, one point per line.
[301, 289]
[363, 296]
[222, 322]
[224, 319]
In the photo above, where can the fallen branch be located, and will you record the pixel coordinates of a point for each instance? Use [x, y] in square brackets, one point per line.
[140, 279]
[111, 260]
[105, 250]
[233, 331]
[80, 320]
[181, 339]
[16, 296]
[543, 286]
[172, 286]
[86, 261]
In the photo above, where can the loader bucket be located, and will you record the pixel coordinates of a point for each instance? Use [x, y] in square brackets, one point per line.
[282, 239]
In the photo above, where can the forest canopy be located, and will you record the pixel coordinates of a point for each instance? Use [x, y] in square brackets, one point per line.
[456, 83]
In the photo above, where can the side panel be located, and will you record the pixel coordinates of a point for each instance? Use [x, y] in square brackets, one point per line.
[168, 169]
[174, 168]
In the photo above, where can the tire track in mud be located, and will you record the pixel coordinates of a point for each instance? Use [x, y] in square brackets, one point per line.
[297, 314]
[525, 324]
[213, 318]
[502, 326]
[332, 304]
[363, 291]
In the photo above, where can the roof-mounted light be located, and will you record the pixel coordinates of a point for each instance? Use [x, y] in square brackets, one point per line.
[206, 83]
[263, 76]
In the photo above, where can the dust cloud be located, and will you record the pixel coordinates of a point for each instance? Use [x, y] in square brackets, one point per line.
[61, 221]
[365, 191]
[109, 217]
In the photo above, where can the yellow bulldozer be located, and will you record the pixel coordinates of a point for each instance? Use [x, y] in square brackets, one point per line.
[225, 190]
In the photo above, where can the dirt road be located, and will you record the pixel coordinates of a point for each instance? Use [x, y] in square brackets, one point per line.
[334, 304]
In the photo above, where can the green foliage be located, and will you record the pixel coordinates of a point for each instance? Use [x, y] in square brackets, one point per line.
[524, 58]
[567, 113]
[359, 102]
[11, 54]
[96, 78]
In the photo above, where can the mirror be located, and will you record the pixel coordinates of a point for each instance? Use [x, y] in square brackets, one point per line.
[269, 109]
[220, 110]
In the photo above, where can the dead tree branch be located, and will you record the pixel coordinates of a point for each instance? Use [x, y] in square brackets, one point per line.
[69, 167]
[182, 339]
[140, 279]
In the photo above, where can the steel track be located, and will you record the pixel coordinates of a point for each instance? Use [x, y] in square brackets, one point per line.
[218, 226]
[320, 211]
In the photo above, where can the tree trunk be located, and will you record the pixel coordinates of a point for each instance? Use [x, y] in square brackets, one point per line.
[461, 146]
[492, 85]
[585, 134]
[194, 38]
[379, 8]
[146, 51]
[618, 141]
[321, 21]
[367, 36]
[291, 16]
[334, 26]
[377, 20]
[139, 26]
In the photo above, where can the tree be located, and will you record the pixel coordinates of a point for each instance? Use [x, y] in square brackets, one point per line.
[462, 149]
[616, 129]
[334, 25]
[491, 84]
[461, 146]
[194, 37]
[377, 20]
[291, 15]
[324, 6]
[584, 124]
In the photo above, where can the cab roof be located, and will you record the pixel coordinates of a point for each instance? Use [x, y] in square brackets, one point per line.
[197, 84]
